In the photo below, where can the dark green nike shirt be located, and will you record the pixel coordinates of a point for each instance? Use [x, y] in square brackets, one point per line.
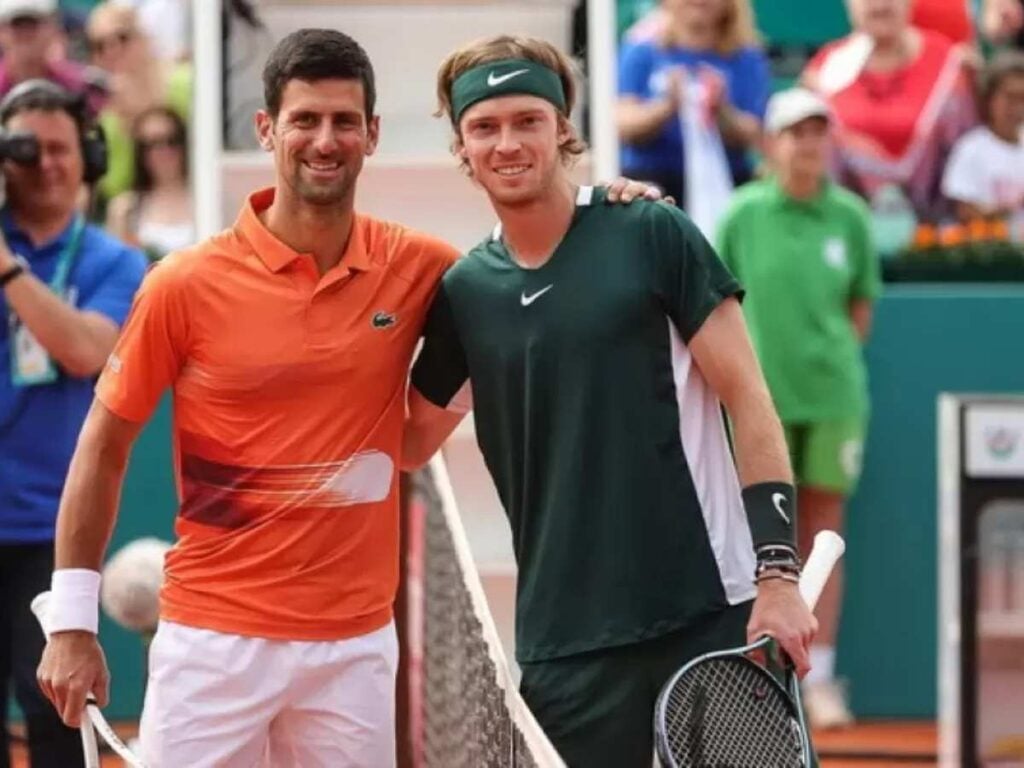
[607, 447]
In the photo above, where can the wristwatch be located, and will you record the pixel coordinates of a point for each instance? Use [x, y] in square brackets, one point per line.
[20, 267]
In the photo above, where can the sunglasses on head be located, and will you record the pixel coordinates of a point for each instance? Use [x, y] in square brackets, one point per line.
[168, 142]
[116, 39]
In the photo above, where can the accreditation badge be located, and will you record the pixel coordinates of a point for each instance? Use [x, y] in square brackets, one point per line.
[31, 364]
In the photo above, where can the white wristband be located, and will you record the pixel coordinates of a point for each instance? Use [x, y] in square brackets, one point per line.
[74, 600]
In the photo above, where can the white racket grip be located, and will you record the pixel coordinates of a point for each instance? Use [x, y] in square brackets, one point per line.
[828, 548]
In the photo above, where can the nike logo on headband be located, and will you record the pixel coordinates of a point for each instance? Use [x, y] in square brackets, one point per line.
[493, 80]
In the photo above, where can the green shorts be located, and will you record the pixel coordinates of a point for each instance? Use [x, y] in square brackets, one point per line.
[827, 454]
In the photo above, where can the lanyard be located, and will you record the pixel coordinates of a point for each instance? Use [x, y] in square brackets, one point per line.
[31, 364]
[59, 281]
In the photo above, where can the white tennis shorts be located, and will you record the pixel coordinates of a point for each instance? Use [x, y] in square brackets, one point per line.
[228, 701]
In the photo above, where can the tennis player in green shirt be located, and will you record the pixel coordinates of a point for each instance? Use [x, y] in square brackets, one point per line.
[600, 343]
[801, 246]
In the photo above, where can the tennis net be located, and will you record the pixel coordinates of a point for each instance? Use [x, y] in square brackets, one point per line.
[464, 709]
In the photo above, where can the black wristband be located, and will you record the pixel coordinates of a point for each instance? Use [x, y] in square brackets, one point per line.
[10, 274]
[771, 511]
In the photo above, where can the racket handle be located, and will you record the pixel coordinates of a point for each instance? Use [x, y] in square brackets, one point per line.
[90, 746]
[828, 548]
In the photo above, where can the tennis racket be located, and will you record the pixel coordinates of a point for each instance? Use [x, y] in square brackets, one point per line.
[95, 722]
[724, 710]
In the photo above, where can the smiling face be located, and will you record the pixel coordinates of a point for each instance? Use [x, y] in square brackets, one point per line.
[319, 137]
[511, 144]
[51, 186]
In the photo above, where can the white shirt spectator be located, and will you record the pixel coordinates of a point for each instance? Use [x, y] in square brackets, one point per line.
[988, 172]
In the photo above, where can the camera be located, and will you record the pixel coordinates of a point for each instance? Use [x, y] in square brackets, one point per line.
[19, 147]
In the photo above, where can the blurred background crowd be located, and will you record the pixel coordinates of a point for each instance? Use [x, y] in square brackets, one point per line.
[927, 100]
[130, 62]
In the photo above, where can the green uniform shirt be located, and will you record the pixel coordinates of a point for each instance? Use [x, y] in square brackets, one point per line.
[802, 264]
[607, 447]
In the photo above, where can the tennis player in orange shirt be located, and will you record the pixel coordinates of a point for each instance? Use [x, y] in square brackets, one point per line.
[287, 341]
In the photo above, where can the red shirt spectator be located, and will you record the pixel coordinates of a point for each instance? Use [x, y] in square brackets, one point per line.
[951, 18]
[900, 98]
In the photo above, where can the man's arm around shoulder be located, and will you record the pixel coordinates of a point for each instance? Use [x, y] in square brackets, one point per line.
[427, 426]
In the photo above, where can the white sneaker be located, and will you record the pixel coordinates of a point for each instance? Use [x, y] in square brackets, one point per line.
[825, 705]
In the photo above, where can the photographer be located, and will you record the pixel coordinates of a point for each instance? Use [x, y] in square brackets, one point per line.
[65, 288]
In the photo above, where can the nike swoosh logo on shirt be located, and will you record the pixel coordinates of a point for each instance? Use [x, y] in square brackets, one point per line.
[493, 79]
[528, 300]
[777, 499]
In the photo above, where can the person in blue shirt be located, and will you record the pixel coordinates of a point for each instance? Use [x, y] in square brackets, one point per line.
[709, 47]
[65, 288]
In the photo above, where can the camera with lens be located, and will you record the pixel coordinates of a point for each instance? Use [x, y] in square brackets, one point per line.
[19, 147]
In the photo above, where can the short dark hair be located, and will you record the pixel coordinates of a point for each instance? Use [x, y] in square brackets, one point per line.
[317, 54]
[143, 178]
[1004, 65]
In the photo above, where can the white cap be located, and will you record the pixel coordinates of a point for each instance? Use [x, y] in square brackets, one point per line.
[789, 107]
[10, 9]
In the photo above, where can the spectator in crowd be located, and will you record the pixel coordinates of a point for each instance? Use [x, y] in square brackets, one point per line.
[167, 24]
[798, 235]
[63, 298]
[901, 98]
[156, 213]
[1002, 21]
[985, 173]
[30, 42]
[709, 50]
[138, 80]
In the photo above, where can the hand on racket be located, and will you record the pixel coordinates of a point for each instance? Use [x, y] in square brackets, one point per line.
[72, 667]
[723, 708]
[781, 613]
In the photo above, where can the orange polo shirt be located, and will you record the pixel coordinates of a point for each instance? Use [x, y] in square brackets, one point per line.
[289, 400]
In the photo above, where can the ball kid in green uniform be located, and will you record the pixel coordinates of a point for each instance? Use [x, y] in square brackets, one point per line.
[801, 245]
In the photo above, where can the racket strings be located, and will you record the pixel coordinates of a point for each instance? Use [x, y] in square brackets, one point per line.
[728, 713]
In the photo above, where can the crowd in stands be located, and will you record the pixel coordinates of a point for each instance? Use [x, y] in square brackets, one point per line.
[926, 99]
[129, 61]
